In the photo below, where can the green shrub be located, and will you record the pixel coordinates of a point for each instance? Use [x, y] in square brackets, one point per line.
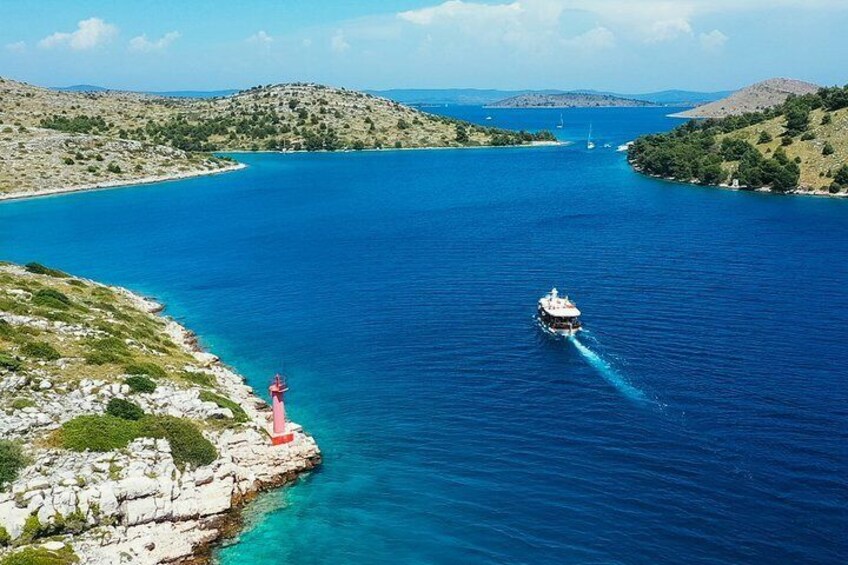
[5, 538]
[124, 409]
[108, 432]
[108, 350]
[808, 136]
[8, 362]
[239, 415]
[187, 443]
[145, 368]
[201, 379]
[6, 330]
[12, 460]
[765, 137]
[32, 530]
[97, 433]
[39, 269]
[114, 168]
[40, 350]
[138, 383]
[21, 403]
[841, 175]
[51, 298]
[828, 149]
[41, 556]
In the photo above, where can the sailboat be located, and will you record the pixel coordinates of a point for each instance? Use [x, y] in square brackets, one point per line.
[561, 123]
[589, 143]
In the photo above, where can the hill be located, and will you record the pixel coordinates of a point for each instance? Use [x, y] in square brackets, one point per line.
[754, 98]
[569, 100]
[166, 93]
[798, 146]
[172, 136]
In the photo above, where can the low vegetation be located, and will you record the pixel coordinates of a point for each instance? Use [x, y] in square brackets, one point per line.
[108, 432]
[238, 412]
[40, 556]
[800, 143]
[12, 460]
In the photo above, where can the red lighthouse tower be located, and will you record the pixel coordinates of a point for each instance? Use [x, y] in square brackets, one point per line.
[279, 435]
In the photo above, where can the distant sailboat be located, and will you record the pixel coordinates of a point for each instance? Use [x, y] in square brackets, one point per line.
[488, 117]
[561, 123]
[589, 143]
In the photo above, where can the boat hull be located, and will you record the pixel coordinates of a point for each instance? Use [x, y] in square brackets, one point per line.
[558, 332]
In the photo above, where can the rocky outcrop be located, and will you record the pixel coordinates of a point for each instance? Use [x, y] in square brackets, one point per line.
[135, 504]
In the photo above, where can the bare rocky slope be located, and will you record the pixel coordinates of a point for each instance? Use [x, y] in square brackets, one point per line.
[120, 441]
[755, 98]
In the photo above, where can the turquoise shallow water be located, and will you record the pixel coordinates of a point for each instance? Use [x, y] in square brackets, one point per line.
[702, 416]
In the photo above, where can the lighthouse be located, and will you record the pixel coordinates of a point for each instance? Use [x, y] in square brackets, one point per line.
[279, 433]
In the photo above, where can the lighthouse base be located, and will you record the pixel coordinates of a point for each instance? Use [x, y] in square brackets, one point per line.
[280, 439]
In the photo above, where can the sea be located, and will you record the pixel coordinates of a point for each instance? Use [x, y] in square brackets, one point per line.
[702, 417]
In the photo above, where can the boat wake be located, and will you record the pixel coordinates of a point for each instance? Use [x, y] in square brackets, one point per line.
[609, 373]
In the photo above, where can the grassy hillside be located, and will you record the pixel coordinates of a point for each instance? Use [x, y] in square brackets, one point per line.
[144, 133]
[800, 145]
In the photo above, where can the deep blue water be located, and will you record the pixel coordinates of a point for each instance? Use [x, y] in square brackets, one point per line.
[703, 417]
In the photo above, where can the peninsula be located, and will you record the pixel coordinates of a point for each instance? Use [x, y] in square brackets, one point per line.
[120, 436]
[799, 146]
[55, 141]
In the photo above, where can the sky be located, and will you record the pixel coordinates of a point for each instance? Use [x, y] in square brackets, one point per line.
[627, 46]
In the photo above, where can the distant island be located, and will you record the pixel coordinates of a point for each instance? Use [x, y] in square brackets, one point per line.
[55, 141]
[483, 97]
[755, 98]
[570, 100]
[798, 146]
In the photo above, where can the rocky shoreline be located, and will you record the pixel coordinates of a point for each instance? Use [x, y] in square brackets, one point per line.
[800, 191]
[119, 183]
[136, 504]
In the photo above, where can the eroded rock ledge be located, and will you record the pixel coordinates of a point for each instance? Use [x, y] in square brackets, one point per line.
[134, 504]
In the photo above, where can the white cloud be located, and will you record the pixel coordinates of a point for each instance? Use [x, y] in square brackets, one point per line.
[143, 45]
[593, 40]
[338, 43]
[89, 34]
[16, 47]
[457, 10]
[668, 30]
[713, 41]
[260, 38]
[526, 25]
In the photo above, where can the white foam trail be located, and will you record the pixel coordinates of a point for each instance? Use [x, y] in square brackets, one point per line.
[608, 372]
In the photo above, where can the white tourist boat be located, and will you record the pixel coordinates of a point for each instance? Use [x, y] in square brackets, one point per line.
[558, 315]
[589, 143]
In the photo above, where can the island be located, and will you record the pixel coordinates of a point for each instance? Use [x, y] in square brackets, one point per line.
[55, 141]
[120, 436]
[799, 146]
[570, 100]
